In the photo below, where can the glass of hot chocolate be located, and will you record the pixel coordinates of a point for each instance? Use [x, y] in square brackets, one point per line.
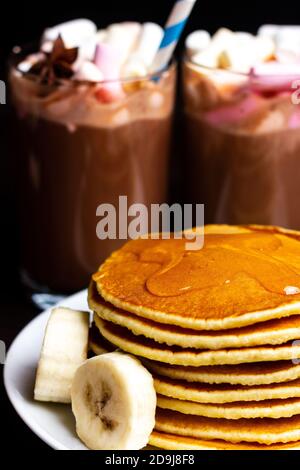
[242, 125]
[92, 124]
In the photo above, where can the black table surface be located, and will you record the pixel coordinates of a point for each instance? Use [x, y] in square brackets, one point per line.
[15, 310]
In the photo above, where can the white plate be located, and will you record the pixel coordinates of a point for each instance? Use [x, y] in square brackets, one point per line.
[54, 424]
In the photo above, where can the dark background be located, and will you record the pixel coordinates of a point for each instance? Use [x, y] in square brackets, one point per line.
[22, 23]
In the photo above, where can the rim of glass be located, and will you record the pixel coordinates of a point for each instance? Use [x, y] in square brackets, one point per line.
[18, 53]
[249, 75]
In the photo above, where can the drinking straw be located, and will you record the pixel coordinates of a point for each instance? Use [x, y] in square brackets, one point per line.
[173, 30]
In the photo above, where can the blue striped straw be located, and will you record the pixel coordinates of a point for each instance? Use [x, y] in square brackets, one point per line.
[173, 30]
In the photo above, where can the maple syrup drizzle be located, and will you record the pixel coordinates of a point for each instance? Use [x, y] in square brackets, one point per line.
[221, 261]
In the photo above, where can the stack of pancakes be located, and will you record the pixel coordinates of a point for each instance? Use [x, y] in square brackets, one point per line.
[218, 329]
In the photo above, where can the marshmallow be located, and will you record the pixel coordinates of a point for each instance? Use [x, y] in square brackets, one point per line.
[143, 55]
[148, 43]
[47, 47]
[273, 76]
[239, 57]
[294, 121]
[234, 113]
[275, 69]
[101, 36]
[88, 72]
[266, 48]
[244, 36]
[245, 51]
[239, 54]
[74, 33]
[134, 68]
[197, 42]
[123, 36]
[108, 60]
[30, 61]
[268, 30]
[287, 57]
[288, 43]
[210, 56]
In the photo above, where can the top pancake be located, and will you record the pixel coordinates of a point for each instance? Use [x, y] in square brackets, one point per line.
[242, 276]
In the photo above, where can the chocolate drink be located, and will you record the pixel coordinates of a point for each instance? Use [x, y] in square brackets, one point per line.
[66, 181]
[242, 179]
[77, 151]
[243, 142]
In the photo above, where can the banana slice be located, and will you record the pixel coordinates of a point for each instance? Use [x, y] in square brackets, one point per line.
[114, 403]
[64, 350]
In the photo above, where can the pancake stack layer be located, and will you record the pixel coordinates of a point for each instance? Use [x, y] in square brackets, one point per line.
[218, 329]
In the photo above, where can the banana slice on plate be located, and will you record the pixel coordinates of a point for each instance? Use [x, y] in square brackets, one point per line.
[114, 403]
[64, 349]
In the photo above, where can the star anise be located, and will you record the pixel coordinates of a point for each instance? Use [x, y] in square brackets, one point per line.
[56, 64]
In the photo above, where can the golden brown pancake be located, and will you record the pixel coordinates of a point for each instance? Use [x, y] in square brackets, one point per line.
[172, 442]
[263, 430]
[97, 344]
[250, 410]
[149, 349]
[272, 332]
[224, 393]
[263, 373]
[237, 279]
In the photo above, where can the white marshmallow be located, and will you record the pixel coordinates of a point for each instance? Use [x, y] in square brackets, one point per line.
[143, 55]
[274, 69]
[287, 57]
[123, 36]
[101, 36]
[74, 33]
[148, 43]
[197, 42]
[239, 54]
[88, 72]
[47, 47]
[29, 62]
[237, 60]
[266, 48]
[245, 51]
[244, 36]
[288, 41]
[134, 68]
[268, 30]
[206, 59]
[210, 56]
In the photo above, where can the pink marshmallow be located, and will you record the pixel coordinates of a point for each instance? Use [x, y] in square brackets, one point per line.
[274, 77]
[294, 122]
[109, 60]
[234, 113]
